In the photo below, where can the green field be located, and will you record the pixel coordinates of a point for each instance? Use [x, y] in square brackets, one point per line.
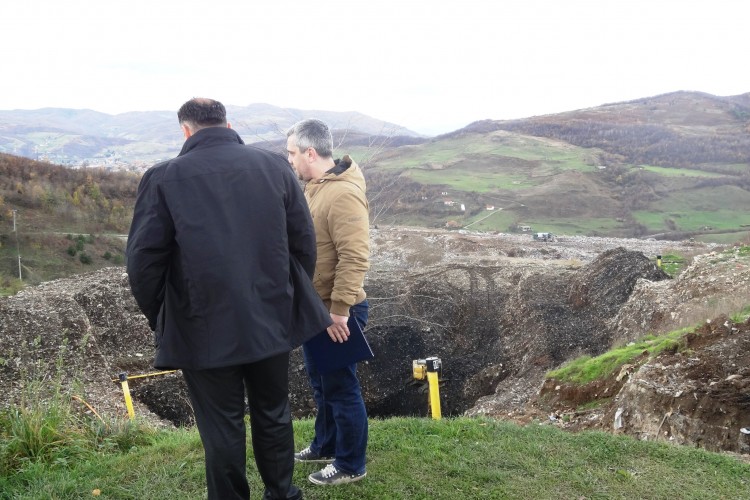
[679, 172]
[720, 208]
[544, 155]
[468, 180]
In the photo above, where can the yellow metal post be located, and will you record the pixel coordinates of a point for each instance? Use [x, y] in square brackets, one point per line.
[126, 393]
[430, 369]
[658, 261]
[433, 380]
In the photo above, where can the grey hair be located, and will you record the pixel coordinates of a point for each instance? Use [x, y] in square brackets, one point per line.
[314, 134]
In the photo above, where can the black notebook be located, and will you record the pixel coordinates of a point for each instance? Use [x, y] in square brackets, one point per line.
[329, 355]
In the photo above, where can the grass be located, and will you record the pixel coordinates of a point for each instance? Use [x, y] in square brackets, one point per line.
[468, 181]
[680, 172]
[549, 155]
[417, 459]
[48, 256]
[586, 369]
[698, 208]
[49, 448]
[672, 264]
[741, 316]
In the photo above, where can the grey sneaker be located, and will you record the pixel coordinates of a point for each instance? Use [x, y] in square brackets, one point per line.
[307, 455]
[330, 476]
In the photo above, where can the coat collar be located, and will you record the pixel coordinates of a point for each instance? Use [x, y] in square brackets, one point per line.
[210, 136]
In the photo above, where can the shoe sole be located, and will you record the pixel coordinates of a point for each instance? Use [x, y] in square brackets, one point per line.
[322, 460]
[346, 480]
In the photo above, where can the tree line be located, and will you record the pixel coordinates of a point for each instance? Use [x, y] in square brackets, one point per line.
[94, 195]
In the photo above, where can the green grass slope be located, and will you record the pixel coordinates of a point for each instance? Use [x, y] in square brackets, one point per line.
[411, 458]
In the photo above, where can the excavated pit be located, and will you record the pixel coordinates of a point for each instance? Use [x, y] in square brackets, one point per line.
[497, 322]
[485, 323]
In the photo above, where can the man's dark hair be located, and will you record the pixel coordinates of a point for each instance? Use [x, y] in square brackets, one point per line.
[200, 112]
[314, 134]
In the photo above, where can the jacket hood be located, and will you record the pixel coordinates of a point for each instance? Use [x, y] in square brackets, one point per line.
[346, 170]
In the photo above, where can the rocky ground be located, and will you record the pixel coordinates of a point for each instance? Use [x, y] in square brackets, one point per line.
[499, 310]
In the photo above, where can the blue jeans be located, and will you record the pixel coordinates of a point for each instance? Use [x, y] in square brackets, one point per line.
[341, 421]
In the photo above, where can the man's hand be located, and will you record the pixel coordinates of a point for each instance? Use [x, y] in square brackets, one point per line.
[339, 331]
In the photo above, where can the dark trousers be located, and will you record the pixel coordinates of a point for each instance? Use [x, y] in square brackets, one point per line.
[218, 399]
[341, 421]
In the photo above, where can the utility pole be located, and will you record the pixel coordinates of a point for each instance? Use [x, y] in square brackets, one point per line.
[18, 247]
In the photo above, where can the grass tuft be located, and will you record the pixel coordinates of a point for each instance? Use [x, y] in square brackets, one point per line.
[586, 369]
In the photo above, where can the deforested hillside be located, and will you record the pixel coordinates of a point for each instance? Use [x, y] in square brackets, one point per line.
[681, 129]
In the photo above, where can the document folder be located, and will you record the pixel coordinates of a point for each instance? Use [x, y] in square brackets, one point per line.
[329, 355]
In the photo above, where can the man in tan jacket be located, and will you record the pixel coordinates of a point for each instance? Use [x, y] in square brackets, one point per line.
[335, 193]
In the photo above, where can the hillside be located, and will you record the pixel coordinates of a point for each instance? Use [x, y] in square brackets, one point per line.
[680, 129]
[66, 221]
[582, 178]
[673, 166]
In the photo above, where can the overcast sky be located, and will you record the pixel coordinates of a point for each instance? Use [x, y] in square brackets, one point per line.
[429, 65]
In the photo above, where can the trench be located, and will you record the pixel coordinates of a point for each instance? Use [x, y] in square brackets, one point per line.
[388, 386]
[168, 399]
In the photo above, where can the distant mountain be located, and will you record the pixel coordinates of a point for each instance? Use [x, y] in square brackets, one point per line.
[679, 129]
[70, 136]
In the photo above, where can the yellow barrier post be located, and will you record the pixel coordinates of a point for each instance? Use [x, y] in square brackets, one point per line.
[433, 375]
[658, 261]
[126, 392]
[123, 378]
[430, 369]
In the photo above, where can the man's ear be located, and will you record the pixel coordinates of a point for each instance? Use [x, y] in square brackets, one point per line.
[186, 131]
[311, 154]
[229, 125]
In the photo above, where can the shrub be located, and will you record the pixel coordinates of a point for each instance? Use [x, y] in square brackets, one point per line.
[85, 258]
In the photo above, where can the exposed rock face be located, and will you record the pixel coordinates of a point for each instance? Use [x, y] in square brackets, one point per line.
[702, 398]
[698, 396]
[497, 322]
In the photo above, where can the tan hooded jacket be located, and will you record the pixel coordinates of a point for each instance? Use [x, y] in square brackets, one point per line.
[342, 229]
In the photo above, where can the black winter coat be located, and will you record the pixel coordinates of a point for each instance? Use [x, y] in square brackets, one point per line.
[220, 255]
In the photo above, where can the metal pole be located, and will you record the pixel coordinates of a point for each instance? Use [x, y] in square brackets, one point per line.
[18, 248]
[126, 393]
[434, 366]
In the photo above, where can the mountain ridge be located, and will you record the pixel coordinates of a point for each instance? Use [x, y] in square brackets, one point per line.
[77, 136]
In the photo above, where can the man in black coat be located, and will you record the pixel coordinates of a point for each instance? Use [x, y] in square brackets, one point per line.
[219, 257]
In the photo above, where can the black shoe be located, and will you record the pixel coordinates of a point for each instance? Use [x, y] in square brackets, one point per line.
[330, 476]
